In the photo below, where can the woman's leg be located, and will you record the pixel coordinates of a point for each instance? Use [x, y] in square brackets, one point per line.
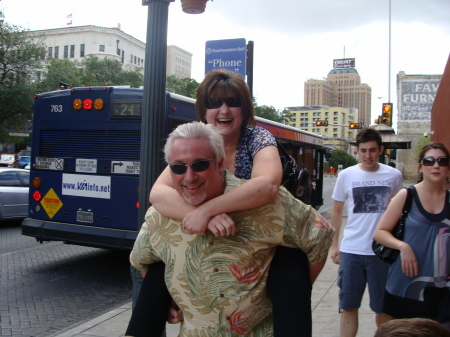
[289, 288]
[150, 310]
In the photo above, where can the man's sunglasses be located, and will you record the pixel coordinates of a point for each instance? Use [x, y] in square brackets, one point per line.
[215, 103]
[429, 161]
[197, 166]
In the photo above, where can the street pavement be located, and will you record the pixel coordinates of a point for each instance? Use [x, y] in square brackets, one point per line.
[324, 303]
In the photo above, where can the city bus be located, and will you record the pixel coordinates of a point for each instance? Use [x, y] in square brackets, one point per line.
[85, 163]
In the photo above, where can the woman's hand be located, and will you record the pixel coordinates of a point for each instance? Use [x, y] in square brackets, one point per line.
[409, 262]
[196, 222]
[222, 225]
[175, 315]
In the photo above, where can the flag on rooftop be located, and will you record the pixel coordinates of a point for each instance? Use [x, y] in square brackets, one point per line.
[69, 16]
[69, 23]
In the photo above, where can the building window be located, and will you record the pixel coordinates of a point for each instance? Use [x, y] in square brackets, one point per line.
[101, 48]
[56, 52]
[50, 52]
[135, 58]
[82, 50]
[72, 51]
[66, 52]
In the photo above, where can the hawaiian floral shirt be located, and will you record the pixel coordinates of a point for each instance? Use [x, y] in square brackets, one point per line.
[220, 282]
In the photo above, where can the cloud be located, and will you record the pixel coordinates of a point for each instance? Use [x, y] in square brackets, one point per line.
[321, 16]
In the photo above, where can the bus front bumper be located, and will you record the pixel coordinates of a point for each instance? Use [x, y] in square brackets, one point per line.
[78, 234]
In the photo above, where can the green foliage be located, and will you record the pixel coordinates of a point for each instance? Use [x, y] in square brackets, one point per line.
[60, 70]
[20, 57]
[182, 86]
[269, 112]
[339, 157]
[91, 72]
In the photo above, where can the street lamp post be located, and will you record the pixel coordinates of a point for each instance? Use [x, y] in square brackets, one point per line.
[153, 103]
[153, 106]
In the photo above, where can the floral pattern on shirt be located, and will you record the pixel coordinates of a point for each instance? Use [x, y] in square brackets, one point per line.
[220, 282]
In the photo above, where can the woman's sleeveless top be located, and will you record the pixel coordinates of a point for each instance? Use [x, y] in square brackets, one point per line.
[429, 237]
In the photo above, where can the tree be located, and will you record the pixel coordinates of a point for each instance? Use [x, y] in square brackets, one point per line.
[60, 71]
[91, 72]
[20, 58]
[182, 86]
[339, 157]
[106, 71]
[269, 112]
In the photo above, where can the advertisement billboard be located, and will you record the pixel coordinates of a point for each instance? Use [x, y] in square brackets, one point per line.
[226, 54]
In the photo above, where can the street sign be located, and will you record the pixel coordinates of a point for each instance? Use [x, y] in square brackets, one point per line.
[226, 54]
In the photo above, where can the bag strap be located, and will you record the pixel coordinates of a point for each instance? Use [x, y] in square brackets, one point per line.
[282, 150]
[408, 201]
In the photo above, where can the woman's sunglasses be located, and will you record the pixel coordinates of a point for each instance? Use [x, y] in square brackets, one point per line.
[215, 103]
[429, 161]
[197, 166]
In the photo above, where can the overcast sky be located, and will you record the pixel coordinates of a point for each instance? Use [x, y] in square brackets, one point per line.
[294, 39]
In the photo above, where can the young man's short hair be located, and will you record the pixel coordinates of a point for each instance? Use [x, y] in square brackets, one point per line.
[367, 135]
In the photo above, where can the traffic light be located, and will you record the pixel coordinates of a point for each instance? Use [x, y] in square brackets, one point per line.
[321, 123]
[386, 114]
[355, 125]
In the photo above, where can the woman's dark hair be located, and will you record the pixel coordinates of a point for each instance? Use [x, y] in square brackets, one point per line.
[367, 135]
[221, 83]
[426, 148]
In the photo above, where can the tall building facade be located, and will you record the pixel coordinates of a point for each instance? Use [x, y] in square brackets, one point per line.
[337, 133]
[342, 88]
[75, 43]
[415, 98]
[178, 62]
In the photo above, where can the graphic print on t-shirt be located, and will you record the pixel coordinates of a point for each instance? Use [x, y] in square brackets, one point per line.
[371, 199]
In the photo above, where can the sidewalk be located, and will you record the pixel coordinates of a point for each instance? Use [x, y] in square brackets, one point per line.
[324, 304]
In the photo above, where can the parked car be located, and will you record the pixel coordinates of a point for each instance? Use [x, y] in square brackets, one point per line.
[24, 161]
[14, 185]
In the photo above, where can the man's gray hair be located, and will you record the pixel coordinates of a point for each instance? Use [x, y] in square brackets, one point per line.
[196, 130]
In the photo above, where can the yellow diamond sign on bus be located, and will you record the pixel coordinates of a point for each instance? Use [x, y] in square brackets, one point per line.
[51, 203]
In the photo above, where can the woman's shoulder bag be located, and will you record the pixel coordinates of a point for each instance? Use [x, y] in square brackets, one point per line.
[388, 255]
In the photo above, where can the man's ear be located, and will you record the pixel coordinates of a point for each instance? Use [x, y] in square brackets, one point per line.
[220, 165]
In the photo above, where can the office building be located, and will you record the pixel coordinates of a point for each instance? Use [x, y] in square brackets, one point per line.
[336, 134]
[342, 88]
[415, 98]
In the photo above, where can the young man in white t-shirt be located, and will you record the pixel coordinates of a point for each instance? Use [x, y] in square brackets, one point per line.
[367, 189]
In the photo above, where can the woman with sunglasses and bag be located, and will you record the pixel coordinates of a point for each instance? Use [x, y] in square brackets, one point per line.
[223, 100]
[418, 280]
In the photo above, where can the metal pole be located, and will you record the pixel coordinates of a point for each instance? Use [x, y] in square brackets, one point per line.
[153, 105]
[250, 50]
[389, 72]
[153, 112]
